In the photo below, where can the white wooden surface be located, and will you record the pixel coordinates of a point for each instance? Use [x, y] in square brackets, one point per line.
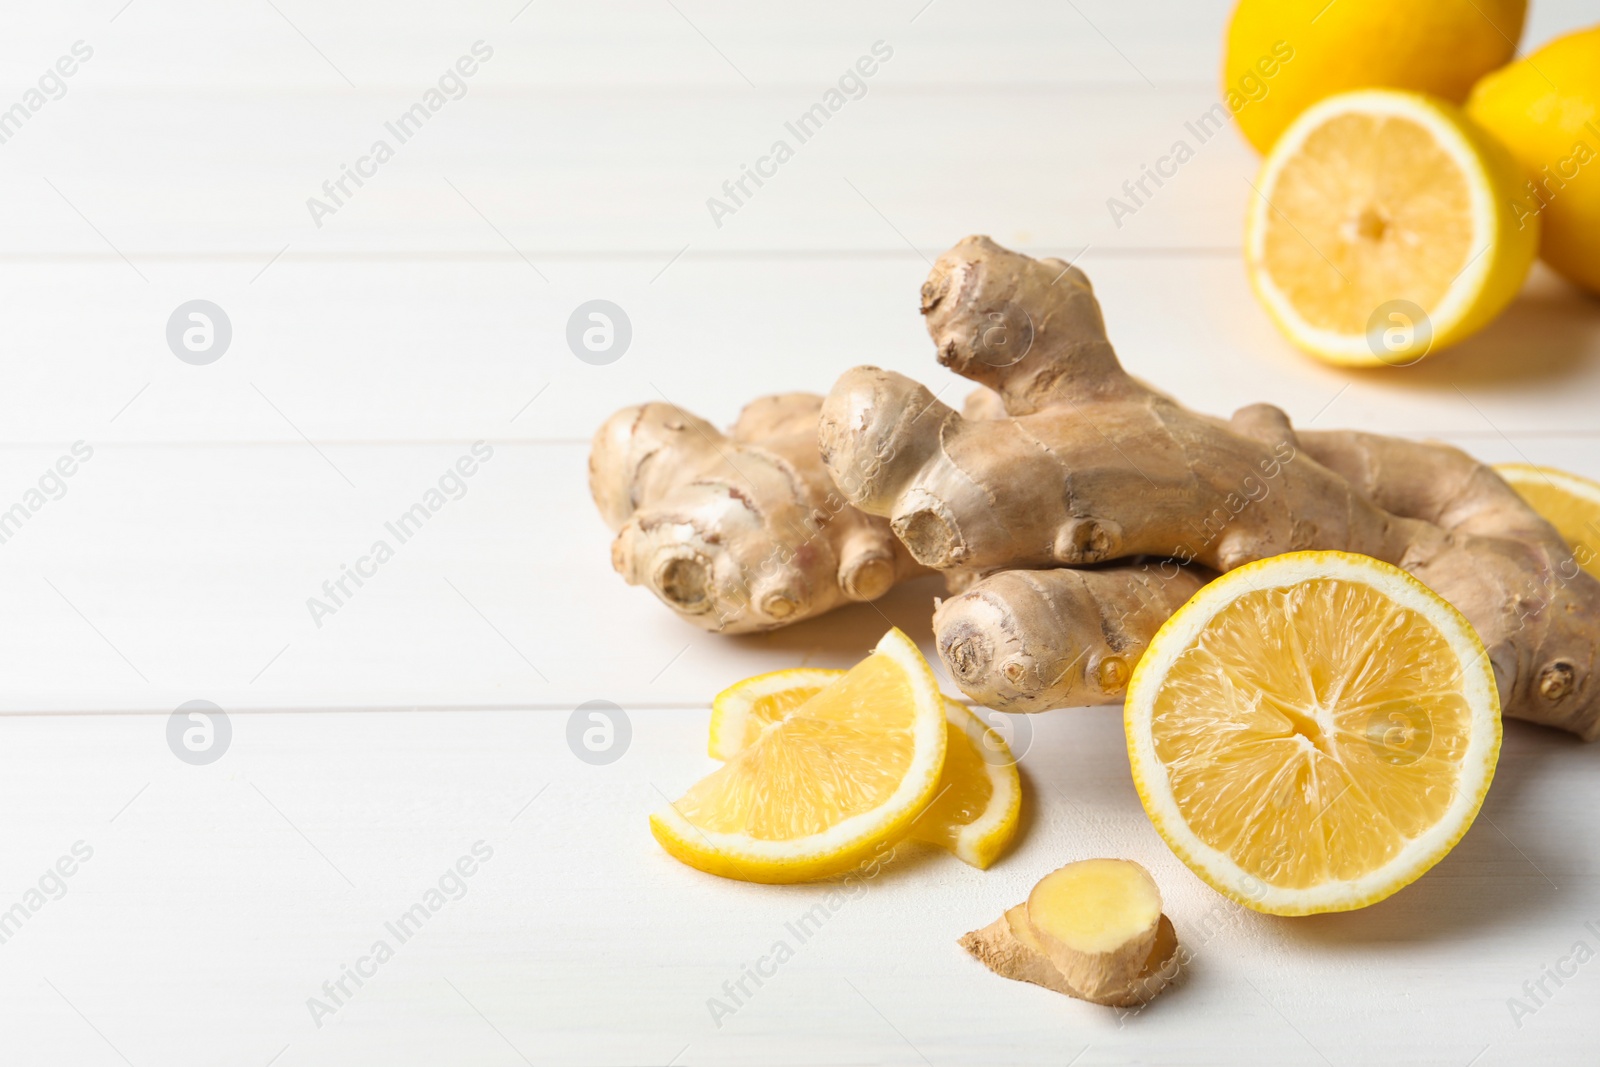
[430, 712]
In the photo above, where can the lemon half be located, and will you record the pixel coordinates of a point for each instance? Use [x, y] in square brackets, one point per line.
[1313, 731]
[1385, 229]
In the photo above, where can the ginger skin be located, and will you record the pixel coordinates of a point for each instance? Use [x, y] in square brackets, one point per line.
[1093, 465]
[1001, 947]
[741, 532]
[1023, 641]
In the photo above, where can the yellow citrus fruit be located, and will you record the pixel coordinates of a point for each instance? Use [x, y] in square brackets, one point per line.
[820, 791]
[1569, 503]
[1383, 230]
[1313, 731]
[1282, 56]
[1546, 110]
[740, 712]
[974, 812]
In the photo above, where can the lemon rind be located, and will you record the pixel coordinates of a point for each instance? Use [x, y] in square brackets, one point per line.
[1531, 473]
[980, 842]
[731, 708]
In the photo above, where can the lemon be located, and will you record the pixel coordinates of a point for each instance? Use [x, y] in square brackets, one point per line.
[1546, 109]
[824, 788]
[1282, 56]
[975, 810]
[1569, 503]
[1313, 731]
[1384, 230]
[740, 712]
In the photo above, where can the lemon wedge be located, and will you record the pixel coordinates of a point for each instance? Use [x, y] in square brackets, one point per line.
[824, 788]
[1569, 503]
[976, 808]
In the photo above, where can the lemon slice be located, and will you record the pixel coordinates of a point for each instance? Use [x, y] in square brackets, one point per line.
[1313, 731]
[975, 812]
[1569, 503]
[740, 712]
[1385, 228]
[976, 808]
[821, 790]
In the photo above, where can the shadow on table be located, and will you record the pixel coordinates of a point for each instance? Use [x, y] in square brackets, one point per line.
[853, 630]
[1545, 335]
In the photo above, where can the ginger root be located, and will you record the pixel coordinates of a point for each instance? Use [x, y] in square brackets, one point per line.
[1094, 466]
[1023, 641]
[740, 532]
[1092, 930]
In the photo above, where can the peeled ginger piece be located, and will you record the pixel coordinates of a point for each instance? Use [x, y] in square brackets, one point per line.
[1092, 930]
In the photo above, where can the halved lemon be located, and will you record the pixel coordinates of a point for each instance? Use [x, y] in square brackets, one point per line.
[819, 791]
[975, 810]
[1313, 731]
[1385, 228]
[1569, 503]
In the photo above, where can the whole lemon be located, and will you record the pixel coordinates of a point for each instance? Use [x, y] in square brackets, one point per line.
[1546, 109]
[1285, 55]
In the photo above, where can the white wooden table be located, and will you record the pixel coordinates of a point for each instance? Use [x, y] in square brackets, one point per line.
[376, 747]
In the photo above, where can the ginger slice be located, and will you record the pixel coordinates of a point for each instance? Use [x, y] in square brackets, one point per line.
[1087, 931]
[1097, 921]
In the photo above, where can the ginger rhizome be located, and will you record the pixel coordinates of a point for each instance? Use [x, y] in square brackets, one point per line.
[1094, 466]
[737, 532]
[1022, 641]
[1092, 930]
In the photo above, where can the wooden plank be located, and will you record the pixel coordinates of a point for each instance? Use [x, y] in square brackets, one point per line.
[155, 173]
[1022, 122]
[303, 46]
[381, 351]
[705, 42]
[169, 574]
[239, 888]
